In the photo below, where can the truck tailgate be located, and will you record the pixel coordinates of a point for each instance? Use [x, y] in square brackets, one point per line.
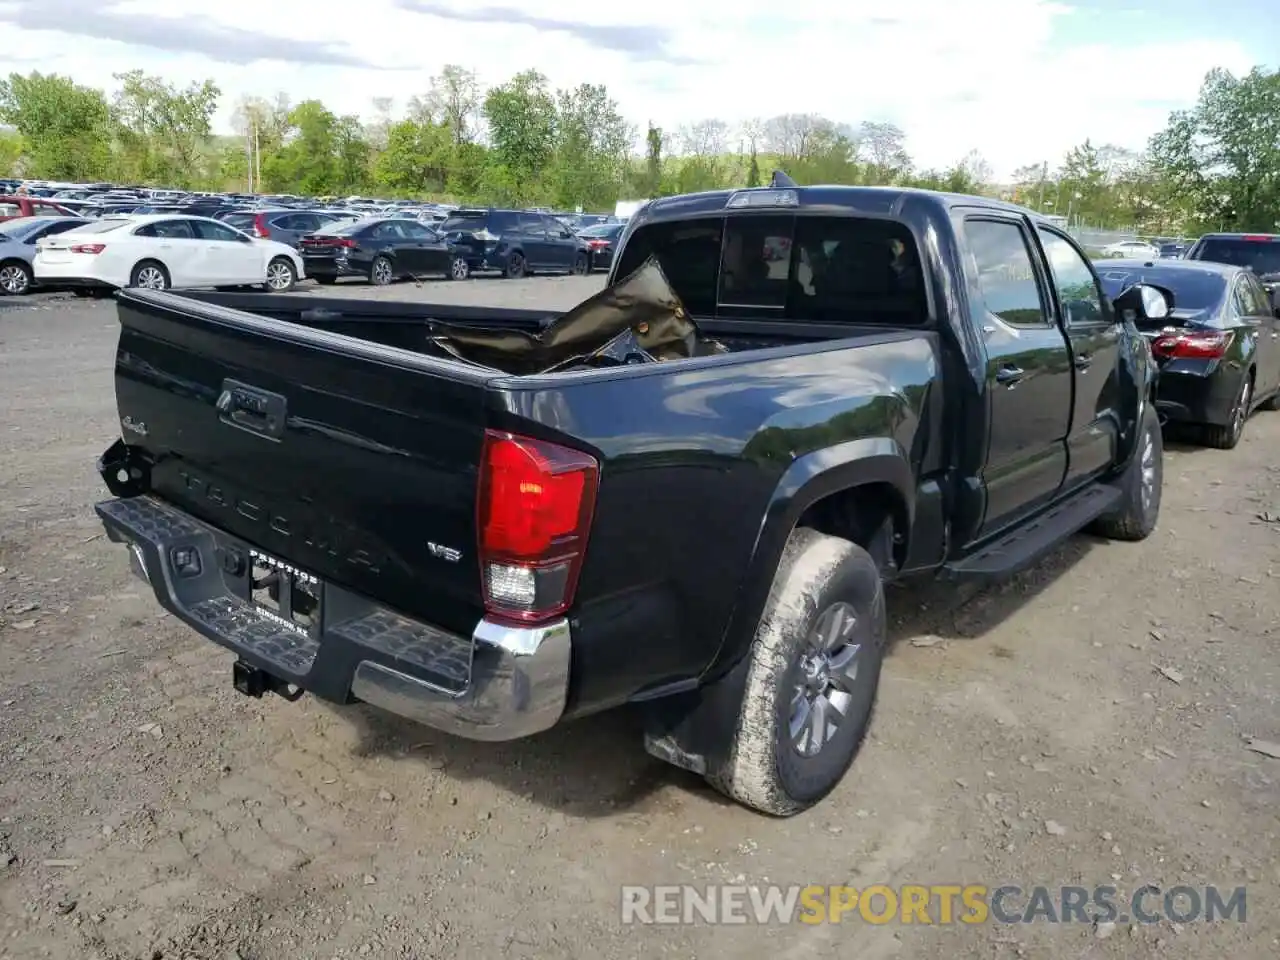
[353, 461]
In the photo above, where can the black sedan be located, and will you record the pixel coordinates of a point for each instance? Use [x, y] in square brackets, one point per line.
[380, 249]
[1218, 352]
[602, 239]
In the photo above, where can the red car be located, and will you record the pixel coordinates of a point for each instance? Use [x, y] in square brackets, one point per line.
[13, 206]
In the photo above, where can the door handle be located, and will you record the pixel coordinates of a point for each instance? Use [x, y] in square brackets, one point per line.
[1009, 375]
[1083, 361]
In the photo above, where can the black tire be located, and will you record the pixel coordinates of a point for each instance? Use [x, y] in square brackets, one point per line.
[144, 270]
[767, 768]
[459, 269]
[581, 266]
[515, 268]
[282, 273]
[326, 281]
[1226, 438]
[16, 278]
[1141, 484]
[1271, 403]
[381, 272]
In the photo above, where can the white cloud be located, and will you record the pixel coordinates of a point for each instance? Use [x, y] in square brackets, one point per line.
[988, 74]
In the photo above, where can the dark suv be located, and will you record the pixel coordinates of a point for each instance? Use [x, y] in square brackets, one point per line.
[1259, 252]
[516, 242]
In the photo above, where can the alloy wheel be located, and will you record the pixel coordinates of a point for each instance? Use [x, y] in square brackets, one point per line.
[821, 698]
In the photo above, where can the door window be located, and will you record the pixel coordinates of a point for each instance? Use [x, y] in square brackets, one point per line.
[388, 230]
[531, 223]
[10, 210]
[167, 229]
[1241, 304]
[211, 230]
[416, 231]
[1074, 280]
[1006, 275]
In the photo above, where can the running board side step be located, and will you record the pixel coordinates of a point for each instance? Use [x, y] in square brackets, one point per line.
[1034, 538]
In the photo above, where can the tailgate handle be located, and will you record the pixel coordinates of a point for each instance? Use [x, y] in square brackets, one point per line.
[252, 408]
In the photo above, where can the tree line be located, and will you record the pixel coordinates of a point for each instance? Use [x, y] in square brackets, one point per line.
[1215, 165]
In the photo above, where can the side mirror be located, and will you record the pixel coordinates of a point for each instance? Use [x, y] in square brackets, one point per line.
[1144, 302]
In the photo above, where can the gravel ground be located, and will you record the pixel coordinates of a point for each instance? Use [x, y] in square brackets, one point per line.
[1026, 734]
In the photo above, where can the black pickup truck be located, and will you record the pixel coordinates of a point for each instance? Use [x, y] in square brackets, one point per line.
[890, 383]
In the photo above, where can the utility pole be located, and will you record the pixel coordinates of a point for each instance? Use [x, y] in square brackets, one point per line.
[257, 155]
[248, 153]
[1044, 175]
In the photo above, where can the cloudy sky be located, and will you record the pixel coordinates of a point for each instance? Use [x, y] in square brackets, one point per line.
[1020, 80]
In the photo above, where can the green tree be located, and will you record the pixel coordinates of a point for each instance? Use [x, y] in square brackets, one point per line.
[12, 147]
[1222, 157]
[165, 131]
[591, 143]
[416, 158]
[352, 153]
[66, 128]
[307, 162]
[521, 115]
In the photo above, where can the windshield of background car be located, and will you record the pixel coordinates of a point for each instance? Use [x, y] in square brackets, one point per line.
[1261, 256]
[21, 229]
[1193, 290]
[604, 230]
[784, 266]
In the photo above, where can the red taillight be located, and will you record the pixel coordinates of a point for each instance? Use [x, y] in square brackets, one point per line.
[1202, 345]
[597, 244]
[533, 516]
[260, 228]
[1259, 238]
[88, 247]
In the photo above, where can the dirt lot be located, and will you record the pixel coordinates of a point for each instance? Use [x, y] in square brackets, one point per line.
[147, 810]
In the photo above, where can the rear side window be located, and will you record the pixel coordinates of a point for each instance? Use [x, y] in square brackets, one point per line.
[241, 221]
[1001, 261]
[783, 266]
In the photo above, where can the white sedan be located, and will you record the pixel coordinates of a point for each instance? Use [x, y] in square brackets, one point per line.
[1131, 249]
[160, 251]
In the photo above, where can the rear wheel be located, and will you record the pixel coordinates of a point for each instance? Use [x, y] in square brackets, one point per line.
[381, 272]
[281, 276]
[515, 266]
[15, 278]
[1226, 438]
[813, 671]
[459, 269]
[150, 275]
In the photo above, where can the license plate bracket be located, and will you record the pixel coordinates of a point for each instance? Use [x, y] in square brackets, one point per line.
[285, 592]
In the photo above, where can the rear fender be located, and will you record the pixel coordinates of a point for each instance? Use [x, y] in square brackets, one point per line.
[809, 479]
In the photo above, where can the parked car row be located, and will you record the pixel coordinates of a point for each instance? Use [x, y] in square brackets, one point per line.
[276, 248]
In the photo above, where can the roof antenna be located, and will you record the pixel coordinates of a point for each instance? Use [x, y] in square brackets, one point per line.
[781, 181]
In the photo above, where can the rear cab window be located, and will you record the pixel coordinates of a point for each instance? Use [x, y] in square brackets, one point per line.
[788, 267]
